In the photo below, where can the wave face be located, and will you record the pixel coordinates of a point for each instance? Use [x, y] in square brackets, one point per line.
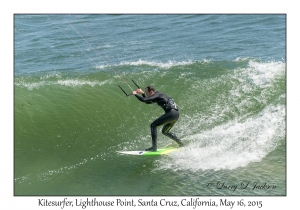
[70, 116]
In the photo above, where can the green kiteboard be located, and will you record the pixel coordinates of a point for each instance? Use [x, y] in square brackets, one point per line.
[162, 151]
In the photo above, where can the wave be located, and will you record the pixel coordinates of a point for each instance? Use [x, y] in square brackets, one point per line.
[241, 120]
[232, 112]
[256, 71]
[164, 65]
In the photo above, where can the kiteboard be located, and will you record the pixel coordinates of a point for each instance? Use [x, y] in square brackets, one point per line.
[162, 151]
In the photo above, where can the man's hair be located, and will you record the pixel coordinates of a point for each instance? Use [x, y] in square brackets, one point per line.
[149, 88]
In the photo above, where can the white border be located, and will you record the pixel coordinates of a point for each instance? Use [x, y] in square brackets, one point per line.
[9, 8]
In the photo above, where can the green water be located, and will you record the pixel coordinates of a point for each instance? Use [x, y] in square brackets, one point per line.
[232, 118]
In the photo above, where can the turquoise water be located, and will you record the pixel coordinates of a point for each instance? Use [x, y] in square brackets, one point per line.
[227, 74]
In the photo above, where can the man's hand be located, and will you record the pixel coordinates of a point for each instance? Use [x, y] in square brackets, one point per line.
[137, 91]
[140, 91]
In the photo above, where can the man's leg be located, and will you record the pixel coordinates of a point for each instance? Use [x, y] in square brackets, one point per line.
[154, 136]
[168, 118]
[166, 131]
[158, 122]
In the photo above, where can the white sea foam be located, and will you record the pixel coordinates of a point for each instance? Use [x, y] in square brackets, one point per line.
[241, 59]
[64, 82]
[53, 74]
[231, 145]
[163, 65]
[78, 82]
[30, 86]
[262, 73]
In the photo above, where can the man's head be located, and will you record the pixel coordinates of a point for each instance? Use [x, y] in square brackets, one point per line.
[149, 90]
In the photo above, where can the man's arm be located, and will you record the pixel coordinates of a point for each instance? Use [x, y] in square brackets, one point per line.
[147, 100]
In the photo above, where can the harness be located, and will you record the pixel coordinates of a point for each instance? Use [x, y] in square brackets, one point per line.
[170, 104]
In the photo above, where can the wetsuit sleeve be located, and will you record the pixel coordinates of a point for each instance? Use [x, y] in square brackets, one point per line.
[147, 100]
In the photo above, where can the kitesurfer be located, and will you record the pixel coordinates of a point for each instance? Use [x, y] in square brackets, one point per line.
[167, 120]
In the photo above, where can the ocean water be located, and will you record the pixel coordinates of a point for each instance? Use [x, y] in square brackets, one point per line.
[227, 74]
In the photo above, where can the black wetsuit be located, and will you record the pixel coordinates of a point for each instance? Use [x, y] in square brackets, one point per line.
[168, 119]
